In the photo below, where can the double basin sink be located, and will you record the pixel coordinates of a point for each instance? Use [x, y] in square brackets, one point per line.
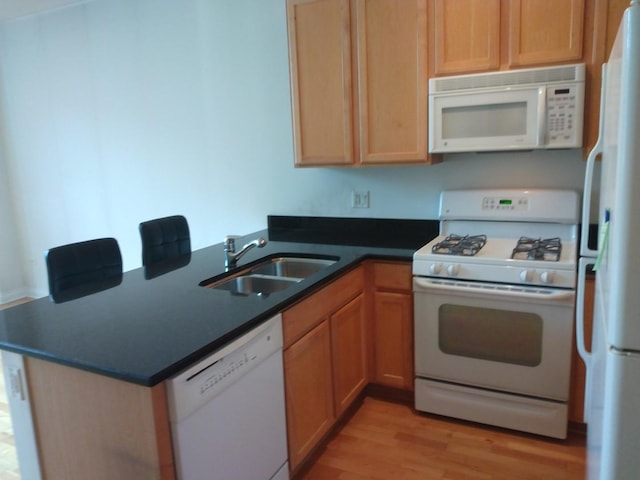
[272, 274]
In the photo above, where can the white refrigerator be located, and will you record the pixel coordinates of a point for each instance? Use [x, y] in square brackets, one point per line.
[612, 403]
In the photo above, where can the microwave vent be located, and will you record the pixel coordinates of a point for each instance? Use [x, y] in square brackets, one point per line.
[566, 73]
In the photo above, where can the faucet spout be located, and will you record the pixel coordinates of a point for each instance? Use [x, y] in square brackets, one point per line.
[231, 257]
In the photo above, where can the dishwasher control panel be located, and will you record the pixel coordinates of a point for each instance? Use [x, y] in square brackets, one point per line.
[225, 370]
[209, 377]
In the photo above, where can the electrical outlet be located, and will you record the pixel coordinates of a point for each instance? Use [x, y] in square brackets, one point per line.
[360, 199]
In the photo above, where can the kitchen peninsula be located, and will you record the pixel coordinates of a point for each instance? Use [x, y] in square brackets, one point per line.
[96, 366]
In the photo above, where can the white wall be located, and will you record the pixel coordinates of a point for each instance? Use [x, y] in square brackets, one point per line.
[119, 111]
[11, 279]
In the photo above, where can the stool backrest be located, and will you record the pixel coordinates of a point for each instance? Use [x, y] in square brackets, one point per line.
[78, 269]
[164, 239]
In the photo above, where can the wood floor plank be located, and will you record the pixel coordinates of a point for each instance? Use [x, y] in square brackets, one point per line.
[385, 440]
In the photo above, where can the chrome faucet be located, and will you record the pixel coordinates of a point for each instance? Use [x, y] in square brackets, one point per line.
[231, 257]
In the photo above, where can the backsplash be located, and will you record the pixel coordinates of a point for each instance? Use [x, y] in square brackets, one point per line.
[370, 232]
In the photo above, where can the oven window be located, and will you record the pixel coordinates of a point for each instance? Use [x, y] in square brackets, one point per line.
[489, 334]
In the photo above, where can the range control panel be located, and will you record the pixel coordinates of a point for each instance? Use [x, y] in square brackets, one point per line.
[511, 204]
[505, 203]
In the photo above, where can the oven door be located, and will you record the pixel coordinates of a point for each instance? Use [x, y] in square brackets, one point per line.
[497, 337]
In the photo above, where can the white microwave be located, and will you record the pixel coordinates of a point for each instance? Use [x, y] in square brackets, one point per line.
[538, 108]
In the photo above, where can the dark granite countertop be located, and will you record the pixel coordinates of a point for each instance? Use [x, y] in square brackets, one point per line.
[154, 324]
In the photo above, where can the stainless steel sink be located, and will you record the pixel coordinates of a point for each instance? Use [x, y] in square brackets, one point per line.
[270, 275]
[254, 284]
[294, 267]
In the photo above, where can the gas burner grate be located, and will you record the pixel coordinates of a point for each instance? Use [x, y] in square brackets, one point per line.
[547, 249]
[460, 245]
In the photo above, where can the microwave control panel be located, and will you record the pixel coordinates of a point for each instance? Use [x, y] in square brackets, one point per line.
[564, 114]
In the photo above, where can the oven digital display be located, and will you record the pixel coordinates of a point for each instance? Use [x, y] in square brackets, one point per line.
[506, 202]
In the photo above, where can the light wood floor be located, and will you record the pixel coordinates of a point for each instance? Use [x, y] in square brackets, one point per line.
[385, 440]
[8, 459]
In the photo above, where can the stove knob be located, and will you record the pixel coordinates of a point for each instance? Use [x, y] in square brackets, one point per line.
[434, 268]
[525, 276]
[546, 277]
[452, 270]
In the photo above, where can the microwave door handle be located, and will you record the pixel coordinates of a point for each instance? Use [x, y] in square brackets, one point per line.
[542, 120]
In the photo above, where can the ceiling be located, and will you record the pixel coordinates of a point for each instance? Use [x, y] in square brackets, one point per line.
[17, 8]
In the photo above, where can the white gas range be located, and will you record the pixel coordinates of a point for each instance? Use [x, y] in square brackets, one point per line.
[494, 300]
[545, 222]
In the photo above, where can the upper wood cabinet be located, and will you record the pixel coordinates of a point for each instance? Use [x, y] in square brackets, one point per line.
[482, 35]
[392, 80]
[545, 31]
[320, 67]
[467, 35]
[358, 81]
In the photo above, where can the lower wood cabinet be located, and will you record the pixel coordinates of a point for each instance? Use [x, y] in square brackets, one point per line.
[308, 391]
[348, 353]
[393, 324]
[358, 329]
[325, 366]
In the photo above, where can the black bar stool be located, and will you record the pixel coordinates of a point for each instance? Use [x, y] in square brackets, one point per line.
[82, 268]
[165, 242]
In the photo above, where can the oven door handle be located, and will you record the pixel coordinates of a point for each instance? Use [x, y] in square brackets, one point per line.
[488, 289]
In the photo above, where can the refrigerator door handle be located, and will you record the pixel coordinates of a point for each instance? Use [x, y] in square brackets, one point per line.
[585, 251]
[580, 297]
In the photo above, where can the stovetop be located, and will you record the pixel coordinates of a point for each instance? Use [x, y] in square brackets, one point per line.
[493, 263]
[499, 251]
[507, 236]
[525, 248]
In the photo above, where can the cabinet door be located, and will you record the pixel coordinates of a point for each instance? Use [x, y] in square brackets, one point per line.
[393, 339]
[545, 31]
[348, 344]
[308, 392]
[392, 80]
[320, 67]
[467, 36]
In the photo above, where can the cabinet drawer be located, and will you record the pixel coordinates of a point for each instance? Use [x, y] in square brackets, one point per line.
[395, 276]
[304, 315]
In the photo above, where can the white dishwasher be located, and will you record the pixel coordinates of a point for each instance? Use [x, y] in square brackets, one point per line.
[227, 411]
